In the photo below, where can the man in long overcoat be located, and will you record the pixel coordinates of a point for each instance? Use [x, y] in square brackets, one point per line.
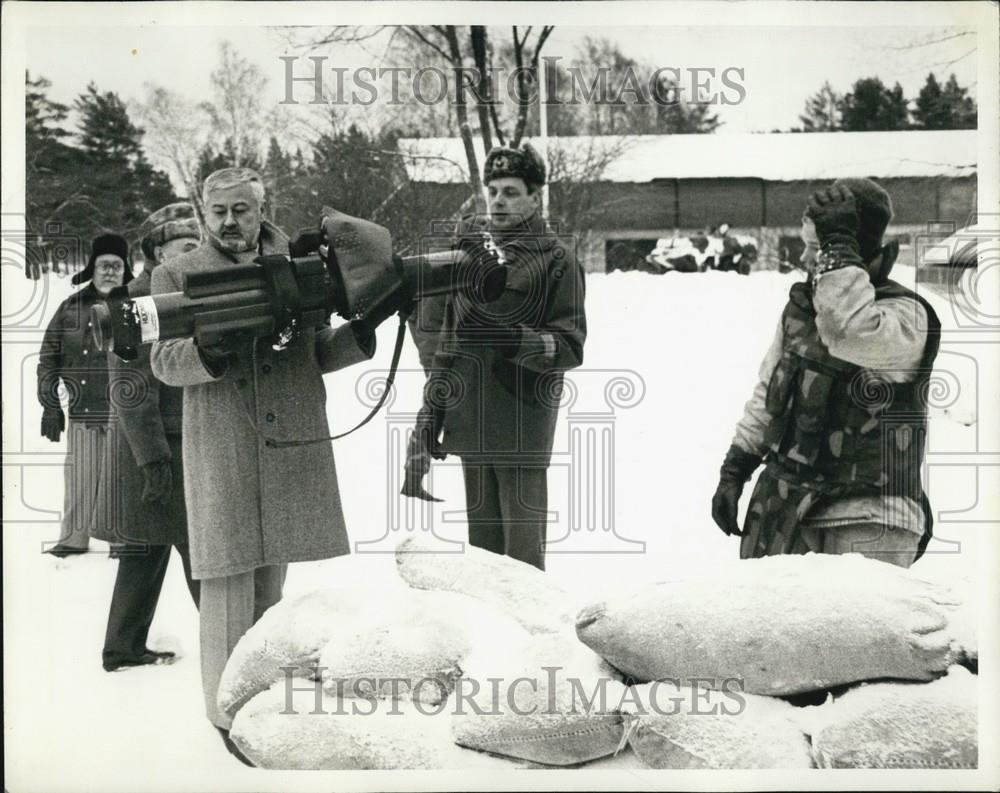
[140, 503]
[493, 395]
[251, 508]
[70, 355]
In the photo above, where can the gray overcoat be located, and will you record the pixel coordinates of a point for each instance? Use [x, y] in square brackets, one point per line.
[250, 505]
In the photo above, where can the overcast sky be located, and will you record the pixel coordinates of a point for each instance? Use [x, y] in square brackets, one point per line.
[782, 66]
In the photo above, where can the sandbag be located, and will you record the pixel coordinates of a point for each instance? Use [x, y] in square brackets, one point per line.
[290, 634]
[781, 625]
[901, 725]
[540, 701]
[683, 726]
[413, 649]
[294, 635]
[523, 591]
[276, 731]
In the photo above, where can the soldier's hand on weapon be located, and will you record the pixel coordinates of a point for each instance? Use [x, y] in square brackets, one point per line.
[157, 481]
[53, 424]
[835, 215]
[736, 471]
[416, 469]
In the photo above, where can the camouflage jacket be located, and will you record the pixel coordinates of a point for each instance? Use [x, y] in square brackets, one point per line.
[886, 339]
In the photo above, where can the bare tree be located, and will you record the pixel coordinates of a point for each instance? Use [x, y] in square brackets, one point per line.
[176, 132]
[237, 113]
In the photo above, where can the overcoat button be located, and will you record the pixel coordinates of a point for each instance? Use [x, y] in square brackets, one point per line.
[270, 417]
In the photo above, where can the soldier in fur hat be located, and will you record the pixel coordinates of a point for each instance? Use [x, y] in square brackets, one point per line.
[839, 415]
[507, 360]
[69, 356]
[141, 497]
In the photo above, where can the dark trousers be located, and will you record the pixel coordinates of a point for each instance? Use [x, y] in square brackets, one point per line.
[137, 591]
[506, 505]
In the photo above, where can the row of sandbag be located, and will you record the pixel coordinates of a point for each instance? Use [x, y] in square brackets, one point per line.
[777, 626]
[503, 675]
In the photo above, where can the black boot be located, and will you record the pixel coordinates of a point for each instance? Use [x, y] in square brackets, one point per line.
[147, 658]
[233, 748]
[61, 551]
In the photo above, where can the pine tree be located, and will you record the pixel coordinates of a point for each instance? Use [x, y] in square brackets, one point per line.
[56, 199]
[822, 111]
[870, 106]
[949, 107]
[123, 186]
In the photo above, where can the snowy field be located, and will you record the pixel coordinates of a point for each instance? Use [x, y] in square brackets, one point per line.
[690, 345]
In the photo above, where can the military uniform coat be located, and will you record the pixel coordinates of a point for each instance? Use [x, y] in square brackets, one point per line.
[146, 427]
[497, 407]
[250, 505]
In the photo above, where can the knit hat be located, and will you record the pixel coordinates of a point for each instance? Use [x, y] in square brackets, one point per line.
[524, 163]
[106, 243]
[174, 221]
[874, 213]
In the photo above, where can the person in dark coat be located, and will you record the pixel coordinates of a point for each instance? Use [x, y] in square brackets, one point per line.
[504, 363]
[839, 414]
[70, 356]
[141, 496]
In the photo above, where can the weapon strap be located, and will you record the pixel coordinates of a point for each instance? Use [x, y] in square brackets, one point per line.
[389, 380]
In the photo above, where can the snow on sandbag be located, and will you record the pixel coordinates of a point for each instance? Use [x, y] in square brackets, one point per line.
[901, 725]
[413, 651]
[289, 634]
[683, 726]
[781, 624]
[292, 635]
[540, 701]
[525, 592]
[278, 730]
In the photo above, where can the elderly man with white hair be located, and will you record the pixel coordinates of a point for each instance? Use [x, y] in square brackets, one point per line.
[251, 508]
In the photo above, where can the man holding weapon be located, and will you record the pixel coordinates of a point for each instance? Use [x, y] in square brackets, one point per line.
[252, 507]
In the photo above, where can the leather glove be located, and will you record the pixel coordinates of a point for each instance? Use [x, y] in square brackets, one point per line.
[157, 481]
[835, 215]
[399, 301]
[221, 354]
[736, 470]
[53, 423]
[417, 467]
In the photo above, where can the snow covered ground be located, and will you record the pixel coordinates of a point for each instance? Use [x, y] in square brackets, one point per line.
[689, 344]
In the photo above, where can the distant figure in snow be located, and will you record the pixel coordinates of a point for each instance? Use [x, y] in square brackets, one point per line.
[838, 415]
[70, 356]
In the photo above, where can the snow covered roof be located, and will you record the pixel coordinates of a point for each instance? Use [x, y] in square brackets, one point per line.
[773, 157]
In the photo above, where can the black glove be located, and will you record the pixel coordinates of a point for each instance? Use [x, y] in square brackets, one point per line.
[417, 467]
[53, 424]
[221, 354]
[835, 215]
[736, 470]
[157, 481]
[399, 301]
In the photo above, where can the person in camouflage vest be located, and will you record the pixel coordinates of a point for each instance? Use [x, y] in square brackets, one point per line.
[839, 415]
